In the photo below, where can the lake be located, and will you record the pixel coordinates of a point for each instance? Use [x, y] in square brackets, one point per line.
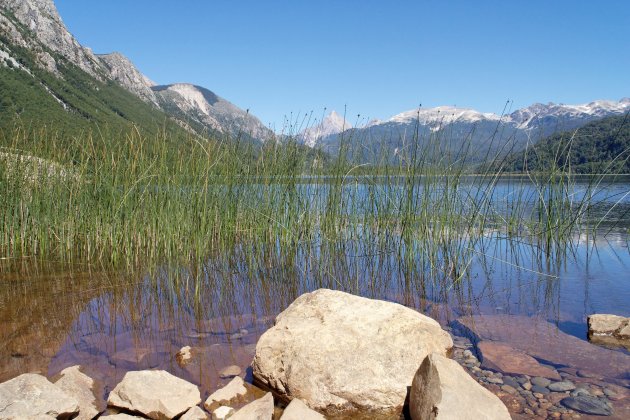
[54, 315]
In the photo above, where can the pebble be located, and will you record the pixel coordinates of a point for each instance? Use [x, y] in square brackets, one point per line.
[468, 354]
[230, 372]
[494, 380]
[527, 386]
[509, 380]
[562, 386]
[609, 392]
[541, 390]
[509, 389]
[540, 381]
[587, 374]
[528, 411]
[588, 405]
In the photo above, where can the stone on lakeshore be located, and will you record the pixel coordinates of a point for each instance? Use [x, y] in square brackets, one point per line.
[297, 410]
[120, 416]
[261, 409]
[229, 393]
[604, 324]
[80, 386]
[537, 389]
[441, 388]
[184, 356]
[155, 393]
[33, 396]
[544, 341]
[195, 413]
[230, 372]
[562, 386]
[341, 353]
[507, 359]
[222, 413]
[588, 405]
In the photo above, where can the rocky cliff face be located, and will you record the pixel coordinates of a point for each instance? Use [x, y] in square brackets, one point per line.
[41, 18]
[122, 70]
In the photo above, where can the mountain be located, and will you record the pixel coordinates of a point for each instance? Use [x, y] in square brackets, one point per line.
[457, 128]
[34, 39]
[600, 146]
[331, 124]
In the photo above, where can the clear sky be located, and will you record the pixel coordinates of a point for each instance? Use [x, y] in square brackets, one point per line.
[377, 58]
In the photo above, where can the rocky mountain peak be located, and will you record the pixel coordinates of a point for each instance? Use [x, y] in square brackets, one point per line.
[42, 19]
[122, 70]
[332, 123]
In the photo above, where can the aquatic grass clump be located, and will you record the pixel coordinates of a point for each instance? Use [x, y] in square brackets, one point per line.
[123, 198]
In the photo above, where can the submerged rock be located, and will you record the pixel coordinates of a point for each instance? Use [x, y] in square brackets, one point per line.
[543, 340]
[184, 356]
[230, 372]
[507, 359]
[442, 389]
[32, 396]
[341, 353]
[261, 409]
[588, 405]
[155, 393]
[79, 385]
[297, 410]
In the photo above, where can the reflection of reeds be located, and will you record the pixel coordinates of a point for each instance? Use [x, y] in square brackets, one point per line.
[133, 200]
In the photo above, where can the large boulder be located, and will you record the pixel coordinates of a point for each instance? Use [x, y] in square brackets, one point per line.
[442, 389]
[154, 393]
[76, 383]
[341, 353]
[33, 396]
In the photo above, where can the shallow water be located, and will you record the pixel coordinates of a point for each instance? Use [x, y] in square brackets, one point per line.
[56, 315]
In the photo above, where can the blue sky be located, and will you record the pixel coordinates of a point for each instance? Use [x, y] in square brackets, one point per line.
[377, 58]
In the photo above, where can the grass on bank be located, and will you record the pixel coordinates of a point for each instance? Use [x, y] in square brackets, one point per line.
[127, 199]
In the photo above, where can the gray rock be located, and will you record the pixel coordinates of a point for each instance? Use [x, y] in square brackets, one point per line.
[540, 381]
[297, 410]
[226, 395]
[261, 409]
[442, 389]
[540, 390]
[508, 380]
[76, 383]
[562, 386]
[341, 353]
[494, 380]
[32, 396]
[155, 393]
[588, 405]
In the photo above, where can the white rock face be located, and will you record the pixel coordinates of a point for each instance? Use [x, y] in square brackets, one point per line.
[156, 393]
[210, 110]
[341, 353]
[79, 385]
[443, 390]
[222, 413]
[297, 410]
[32, 396]
[229, 393]
[261, 409]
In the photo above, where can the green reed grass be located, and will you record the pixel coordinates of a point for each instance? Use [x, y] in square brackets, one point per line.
[121, 198]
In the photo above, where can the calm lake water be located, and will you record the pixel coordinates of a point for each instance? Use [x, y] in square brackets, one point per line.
[57, 315]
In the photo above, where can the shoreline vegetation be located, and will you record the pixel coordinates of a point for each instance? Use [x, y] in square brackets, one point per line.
[125, 198]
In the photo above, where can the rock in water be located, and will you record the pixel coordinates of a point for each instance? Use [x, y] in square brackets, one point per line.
[261, 409]
[507, 359]
[155, 393]
[32, 396]
[297, 410]
[588, 405]
[341, 353]
[76, 383]
[442, 389]
[228, 394]
[602, 324]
